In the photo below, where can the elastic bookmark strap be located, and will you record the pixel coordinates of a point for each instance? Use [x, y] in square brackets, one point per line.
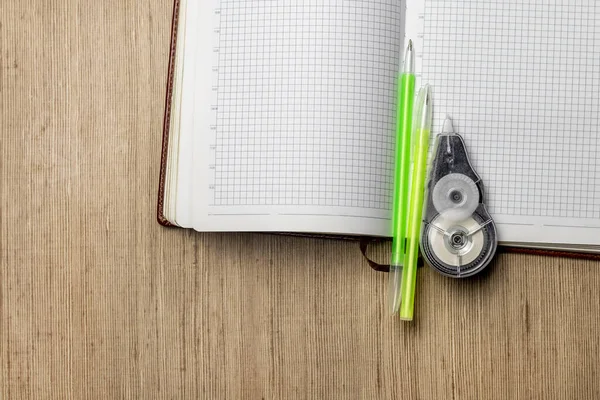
[364, 247]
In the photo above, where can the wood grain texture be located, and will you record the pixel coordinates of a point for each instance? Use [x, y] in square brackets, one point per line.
[98, 301]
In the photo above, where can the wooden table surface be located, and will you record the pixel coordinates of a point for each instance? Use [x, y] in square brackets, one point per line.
[98, 301]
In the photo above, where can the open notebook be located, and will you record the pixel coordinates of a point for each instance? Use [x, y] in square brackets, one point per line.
[280, 115]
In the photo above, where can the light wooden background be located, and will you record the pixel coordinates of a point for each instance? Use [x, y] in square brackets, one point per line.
[98, 301]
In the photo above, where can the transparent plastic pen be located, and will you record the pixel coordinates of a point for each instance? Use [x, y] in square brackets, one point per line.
[420, 151]
[406, 97]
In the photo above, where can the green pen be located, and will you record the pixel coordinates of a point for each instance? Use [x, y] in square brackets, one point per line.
[420, 151]
[406, 97]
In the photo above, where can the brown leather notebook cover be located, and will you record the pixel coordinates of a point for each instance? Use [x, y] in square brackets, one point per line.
[364, 241]
[167, 117]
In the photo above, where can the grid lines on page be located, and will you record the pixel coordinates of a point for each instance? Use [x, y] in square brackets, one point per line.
[306, 98]
[522, 83]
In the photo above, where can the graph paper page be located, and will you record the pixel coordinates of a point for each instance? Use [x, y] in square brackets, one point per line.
[521, 81]
[294, 114]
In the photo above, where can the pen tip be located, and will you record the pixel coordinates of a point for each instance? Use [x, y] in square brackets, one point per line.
[448, 127]
[410, 45]
[427, 95]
